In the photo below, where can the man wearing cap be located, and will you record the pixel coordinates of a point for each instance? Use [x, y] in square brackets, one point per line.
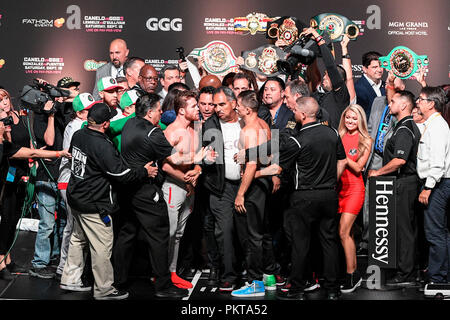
[81, 104]
[108, 87]
[95, 165]
[118, 54]
[48, 130]
[127, 104]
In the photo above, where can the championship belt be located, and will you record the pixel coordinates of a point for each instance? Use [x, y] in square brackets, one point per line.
[263, 60]
[335, 25]
[219, 58]
[286, 31]
[403, 62]
[253, 23]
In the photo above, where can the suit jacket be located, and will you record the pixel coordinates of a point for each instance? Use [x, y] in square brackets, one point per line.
[285, 118]
[365, 94]
[103, 71]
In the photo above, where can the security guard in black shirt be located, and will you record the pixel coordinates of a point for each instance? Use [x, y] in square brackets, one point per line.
[399, 160]
[318, 156]
[144, 141]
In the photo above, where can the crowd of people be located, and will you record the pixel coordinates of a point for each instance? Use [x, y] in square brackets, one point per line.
[259, 179]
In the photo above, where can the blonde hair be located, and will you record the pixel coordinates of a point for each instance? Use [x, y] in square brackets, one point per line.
[364, 140]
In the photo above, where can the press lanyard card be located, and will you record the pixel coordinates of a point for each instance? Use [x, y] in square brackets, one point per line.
[11, 174]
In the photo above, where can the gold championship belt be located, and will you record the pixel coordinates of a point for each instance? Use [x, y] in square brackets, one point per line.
[253, 23]
[286, 28]
[263, 60]
[335, 25]
[403, 62]
[219, 58]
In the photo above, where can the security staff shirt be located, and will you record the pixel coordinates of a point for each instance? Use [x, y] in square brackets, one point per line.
[143, 142]
[403, 144]
[313, 153]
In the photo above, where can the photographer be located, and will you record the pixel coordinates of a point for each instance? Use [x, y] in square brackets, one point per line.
[332, 94]
[48, 130]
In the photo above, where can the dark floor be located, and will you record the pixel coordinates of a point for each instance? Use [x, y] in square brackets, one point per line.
[31, 288]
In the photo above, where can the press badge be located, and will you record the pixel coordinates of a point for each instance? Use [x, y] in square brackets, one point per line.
[11, 174]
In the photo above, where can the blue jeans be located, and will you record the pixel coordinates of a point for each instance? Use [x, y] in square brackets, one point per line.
[437, 233]
[47, 247]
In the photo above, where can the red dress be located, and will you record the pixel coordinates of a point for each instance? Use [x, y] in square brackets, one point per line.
[351, 185]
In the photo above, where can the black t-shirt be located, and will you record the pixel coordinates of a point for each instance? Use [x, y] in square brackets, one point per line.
[39, 127]
[143, 142]
[313, 153]
[403, 144]
[20, 137]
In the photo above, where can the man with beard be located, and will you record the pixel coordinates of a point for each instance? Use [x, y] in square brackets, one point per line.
[108, 89]
[179, 195]
[118, 53]
[332, 93]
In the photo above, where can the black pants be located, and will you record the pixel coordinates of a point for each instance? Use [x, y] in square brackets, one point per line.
[250, 227]
[406, 195]
[222, 208]
[307, 207]
[145, 209]
[13, 198]
[208, 222]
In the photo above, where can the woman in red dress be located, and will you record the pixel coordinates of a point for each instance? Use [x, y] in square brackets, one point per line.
[358, 145]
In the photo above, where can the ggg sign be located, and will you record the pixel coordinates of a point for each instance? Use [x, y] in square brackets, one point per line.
[164, 24]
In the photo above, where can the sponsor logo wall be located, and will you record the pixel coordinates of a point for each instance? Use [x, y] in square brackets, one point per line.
[71, 38]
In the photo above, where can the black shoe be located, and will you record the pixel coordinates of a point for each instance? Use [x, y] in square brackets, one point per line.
[291, 294]
[213, 278]
[15, 268]
[43, 273]
[352, 281]
[362, 252]
[6, 275]
[226, 286]
[116, 295]
[311, 285]
[58, 276]
[333, 295]
[401, 280]
[172, 292]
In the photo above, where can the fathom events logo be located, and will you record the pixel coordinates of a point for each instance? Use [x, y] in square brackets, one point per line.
[164, 24]
[44, 23]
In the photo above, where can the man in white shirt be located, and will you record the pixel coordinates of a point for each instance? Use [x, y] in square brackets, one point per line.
[168, 75]
[433, 167]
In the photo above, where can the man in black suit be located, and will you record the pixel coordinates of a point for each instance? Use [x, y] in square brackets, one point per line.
[370, 85]
[118, 54]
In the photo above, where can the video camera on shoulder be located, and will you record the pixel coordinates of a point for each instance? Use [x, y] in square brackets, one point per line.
[35, 96]
[303, 51]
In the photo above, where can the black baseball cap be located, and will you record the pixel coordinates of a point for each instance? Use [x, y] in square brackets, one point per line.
[100, 112]
[67, 82]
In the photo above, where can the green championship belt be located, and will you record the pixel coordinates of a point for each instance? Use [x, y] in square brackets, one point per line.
[335, 25]
[263, 60]
[219, 58]
[403, 62]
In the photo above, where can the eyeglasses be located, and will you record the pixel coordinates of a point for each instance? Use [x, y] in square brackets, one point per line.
[420, 98]
[149, 78]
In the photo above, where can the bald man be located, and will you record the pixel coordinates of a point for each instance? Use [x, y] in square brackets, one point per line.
[210, 80]
[148, 79]
[118, 54]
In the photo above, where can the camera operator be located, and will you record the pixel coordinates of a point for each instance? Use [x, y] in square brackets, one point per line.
[332, 94]
[48, 129]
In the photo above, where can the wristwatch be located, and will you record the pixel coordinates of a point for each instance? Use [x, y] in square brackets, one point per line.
[427, 188]
[346, 56]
